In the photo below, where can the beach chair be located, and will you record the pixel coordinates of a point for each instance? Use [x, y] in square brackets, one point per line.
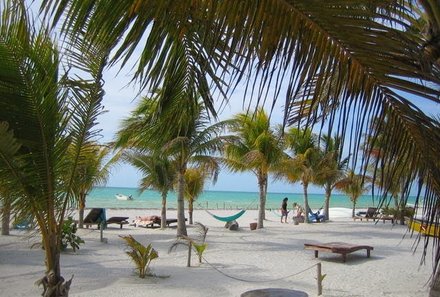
[96, 216]
[23, 223]
[370, 214]
[117, 220]
[152, 221]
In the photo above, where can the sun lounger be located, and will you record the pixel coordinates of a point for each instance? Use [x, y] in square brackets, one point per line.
[373, 214]
[370, 214]
[118, 220]
[338, 248]
[24, 224]
[96, 216]
[152, 221]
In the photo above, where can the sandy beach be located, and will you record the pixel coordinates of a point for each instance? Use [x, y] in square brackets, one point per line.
[235, 261]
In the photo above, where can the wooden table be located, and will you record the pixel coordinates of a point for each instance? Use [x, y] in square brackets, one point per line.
[338, 248]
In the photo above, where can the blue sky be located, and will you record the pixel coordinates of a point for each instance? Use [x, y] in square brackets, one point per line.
[120, 99]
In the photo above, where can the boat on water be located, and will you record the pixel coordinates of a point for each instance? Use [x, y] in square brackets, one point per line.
[424, 227]
[123, 197]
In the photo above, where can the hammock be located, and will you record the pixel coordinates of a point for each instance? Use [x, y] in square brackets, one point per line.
[227, 219]
[277, 213]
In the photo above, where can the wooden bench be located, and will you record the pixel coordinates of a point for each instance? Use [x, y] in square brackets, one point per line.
[338, 248]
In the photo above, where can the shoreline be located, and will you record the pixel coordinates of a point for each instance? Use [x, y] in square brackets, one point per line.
[105, 197]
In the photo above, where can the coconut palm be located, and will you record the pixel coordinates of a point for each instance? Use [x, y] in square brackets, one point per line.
[92, 172]
[158, 173]
[353, 185]
[306, 163]
[194, 185]
[181, 132]
[334, 166]
[368, 49]
[395, 184]
[5, 211]
[258, 149]
[196, 147]
[46, 118]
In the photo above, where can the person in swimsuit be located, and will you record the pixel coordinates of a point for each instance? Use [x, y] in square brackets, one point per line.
[284, 211]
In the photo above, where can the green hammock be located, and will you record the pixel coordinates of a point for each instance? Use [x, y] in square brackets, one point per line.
[230, 218]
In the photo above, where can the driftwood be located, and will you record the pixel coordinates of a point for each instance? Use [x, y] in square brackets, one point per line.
[52, 287]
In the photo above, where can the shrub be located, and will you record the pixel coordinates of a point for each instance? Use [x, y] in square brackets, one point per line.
[198, 244]
[141, 255]
[69, 237]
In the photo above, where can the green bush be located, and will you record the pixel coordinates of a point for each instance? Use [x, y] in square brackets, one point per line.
[69, 237]
[140, 254]
[198, 244]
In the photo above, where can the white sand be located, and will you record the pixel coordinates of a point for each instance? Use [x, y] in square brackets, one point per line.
[273, 257]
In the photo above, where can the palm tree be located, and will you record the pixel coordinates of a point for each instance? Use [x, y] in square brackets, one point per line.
[367, 49]
[181, 132]
[334, 167]
[5, 211]
[194, 184]
[353, 185]
[46, 118]
[257, 149]
[381, 161]
[92, 172]
[306, 164]
[158, 174]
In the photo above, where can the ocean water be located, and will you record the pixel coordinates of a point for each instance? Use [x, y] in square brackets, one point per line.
[105, 197]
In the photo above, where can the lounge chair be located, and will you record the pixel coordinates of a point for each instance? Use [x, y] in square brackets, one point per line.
[23, 224]
[337, 247]
[96, 216]
[117, 220]
[152, 221]
[370, 214]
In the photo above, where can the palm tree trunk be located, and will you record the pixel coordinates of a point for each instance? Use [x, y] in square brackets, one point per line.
[82, 206]
[354, 208]
[328, 193]
[190, 211]
[6, 216]
[265, 197]
[53, 283]
[306, 202]
[163, 213]
[401, 209]
[262, 182]
[181, 226]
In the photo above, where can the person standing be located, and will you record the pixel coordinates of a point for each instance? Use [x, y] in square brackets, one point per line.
[284, 211]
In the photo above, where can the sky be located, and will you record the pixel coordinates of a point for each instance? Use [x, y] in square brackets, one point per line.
[120, 99]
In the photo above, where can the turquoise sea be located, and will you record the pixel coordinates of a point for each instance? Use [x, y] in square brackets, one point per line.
[105, 197]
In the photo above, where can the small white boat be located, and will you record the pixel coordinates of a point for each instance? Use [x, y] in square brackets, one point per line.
[123, 197]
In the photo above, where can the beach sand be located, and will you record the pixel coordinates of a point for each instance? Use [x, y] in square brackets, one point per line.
[235, 261]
